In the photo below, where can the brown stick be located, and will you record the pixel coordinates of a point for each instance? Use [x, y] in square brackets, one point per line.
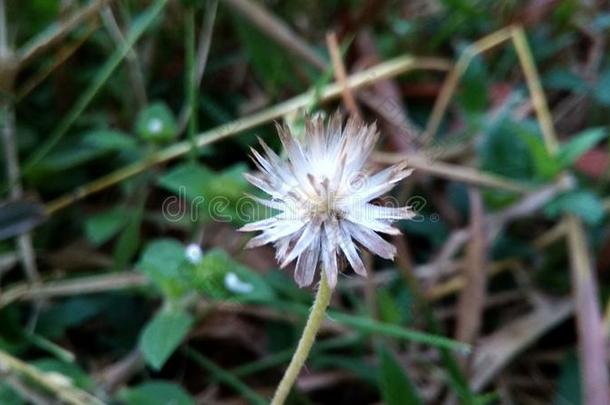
[472, 299]
[277, 30]
[341, 75]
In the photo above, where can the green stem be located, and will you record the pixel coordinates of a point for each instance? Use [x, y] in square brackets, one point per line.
[312, 326]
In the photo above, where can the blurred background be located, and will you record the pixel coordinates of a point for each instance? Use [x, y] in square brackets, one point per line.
[126, 128]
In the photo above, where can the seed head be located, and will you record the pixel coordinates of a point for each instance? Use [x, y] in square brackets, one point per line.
[323, 193]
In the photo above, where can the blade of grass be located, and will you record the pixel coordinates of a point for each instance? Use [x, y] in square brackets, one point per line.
[369, 325]
[396, 385]
[226, 377]
[57, 31]
[284, 356]
[134, 68]
[139, 27]
[191, 86]
[201, 60]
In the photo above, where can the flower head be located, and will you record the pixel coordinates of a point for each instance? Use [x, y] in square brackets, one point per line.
[323, 194]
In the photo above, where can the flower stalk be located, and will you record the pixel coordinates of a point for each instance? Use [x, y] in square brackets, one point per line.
[316, 316]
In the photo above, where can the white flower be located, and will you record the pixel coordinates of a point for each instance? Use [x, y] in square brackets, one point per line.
[193, 253]
[323, 194]
[234, 284]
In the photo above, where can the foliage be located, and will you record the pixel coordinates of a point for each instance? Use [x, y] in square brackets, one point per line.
[134, 232]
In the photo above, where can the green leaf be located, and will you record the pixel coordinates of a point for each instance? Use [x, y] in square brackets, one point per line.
[70, 370]
[156, 393]
[157, 123]
[163, 261]
[217, 196]
[128, 243]
[268, 61]
[67, 156]
[99, 228]
[473, 94]
[546, 166]
[389, 311]
[396, 387]
[579, 144]
[140, 24]
[369, 325]
[109, 140]
[602, 88]
[55, 319]
[503, 151]
[227, 378]
[562, 79]
[584, 204]
[568, 385]
[162, 335]
[221, 277]
[9, 396]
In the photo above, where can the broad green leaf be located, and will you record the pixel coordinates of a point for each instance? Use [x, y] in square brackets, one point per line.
[156, 393]
[546, 165]
[563, 79]
[584, 204]
[219, 276]
[163, 260]
[396, 387]
[54, 320]
[213, 196]
[157, 123]
[579, 144]
[99, 228]
[504, 152]
[162, 335]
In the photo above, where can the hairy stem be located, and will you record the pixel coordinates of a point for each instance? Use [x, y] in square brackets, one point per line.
[312, 326]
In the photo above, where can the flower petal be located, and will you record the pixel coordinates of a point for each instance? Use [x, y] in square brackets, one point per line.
[370, 240]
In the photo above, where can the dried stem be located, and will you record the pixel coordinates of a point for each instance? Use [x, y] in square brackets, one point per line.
[384, 70]
[7, 114]
[134, 68]
[453, 172]
[588, 316]
[277, 30]
[55, 34]
[63, 389]
[341, 75]
[451, 82]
